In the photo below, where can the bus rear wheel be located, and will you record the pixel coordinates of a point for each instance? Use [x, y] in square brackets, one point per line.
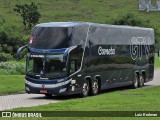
[85, 89]
[95, 87]
[135, 81]
[141, 81]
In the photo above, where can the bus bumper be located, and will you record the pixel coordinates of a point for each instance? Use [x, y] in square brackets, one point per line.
[54, 89]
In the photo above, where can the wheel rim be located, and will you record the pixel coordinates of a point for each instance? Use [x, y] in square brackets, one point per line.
[95, 87]
[136, 82]
[141, 81]
[85, 88]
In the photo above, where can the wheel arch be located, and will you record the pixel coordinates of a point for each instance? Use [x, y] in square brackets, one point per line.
[143, 73]
[137, 72]
[89, 79]
[98, 77]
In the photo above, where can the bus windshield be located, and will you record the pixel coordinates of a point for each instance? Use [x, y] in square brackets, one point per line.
[48, 66]
[58, 37]
[50, 37]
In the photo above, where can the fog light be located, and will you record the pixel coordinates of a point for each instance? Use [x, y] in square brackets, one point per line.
[73, 88]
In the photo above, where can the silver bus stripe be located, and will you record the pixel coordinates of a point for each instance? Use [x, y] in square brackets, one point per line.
[47, 85]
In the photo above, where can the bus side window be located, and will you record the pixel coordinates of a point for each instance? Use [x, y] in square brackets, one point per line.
[72, 66]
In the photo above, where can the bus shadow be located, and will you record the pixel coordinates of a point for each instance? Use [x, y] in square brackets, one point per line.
[77, 96]
[122, 89]
[110, 90]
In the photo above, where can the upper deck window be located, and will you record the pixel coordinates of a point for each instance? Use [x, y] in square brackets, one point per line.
[51, 37]
[58, 37]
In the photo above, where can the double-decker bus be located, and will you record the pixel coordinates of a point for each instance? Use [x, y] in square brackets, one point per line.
[83, 58]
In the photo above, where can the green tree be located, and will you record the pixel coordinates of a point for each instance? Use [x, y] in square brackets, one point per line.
[29, 14]
[3, 37]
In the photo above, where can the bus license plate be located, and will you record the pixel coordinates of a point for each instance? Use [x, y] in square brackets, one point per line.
[43, 91]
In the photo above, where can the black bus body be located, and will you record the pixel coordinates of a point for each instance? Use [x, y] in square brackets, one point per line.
[83, 58]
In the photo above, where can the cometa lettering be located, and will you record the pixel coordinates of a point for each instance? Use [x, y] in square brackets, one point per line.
[102, 51]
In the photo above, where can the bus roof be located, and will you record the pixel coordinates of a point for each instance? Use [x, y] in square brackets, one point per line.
[61, 24]
[77, 23]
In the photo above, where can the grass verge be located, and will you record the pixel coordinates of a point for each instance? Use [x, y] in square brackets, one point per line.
[157, 61]
[10, 84]
[144, 99]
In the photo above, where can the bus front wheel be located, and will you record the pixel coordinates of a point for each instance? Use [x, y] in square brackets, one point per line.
[95, 87]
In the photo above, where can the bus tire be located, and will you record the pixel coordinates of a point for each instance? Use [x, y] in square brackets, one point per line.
[141, 81]
[135, 81]
[95, 87]
[85, 89]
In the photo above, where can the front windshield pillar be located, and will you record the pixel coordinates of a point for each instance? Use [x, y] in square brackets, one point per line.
[75, 59]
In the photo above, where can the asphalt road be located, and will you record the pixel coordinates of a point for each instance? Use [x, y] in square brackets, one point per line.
[27, 100]
[156, 80]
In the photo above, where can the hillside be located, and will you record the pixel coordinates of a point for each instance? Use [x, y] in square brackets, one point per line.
[99, 11]
[80, 10]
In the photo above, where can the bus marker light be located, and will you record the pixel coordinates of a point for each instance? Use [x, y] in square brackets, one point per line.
[31, 39]
[73, 88]
[79, 75]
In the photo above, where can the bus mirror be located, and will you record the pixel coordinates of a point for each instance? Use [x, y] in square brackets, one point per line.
[19, 52]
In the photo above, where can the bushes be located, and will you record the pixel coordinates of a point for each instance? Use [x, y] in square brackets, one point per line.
[3, 37]
[12, 68]
[131, 20]
[11, 38]
[11, 43]
[5, 57]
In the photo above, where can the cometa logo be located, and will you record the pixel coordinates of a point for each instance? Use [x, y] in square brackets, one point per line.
[102, 51]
